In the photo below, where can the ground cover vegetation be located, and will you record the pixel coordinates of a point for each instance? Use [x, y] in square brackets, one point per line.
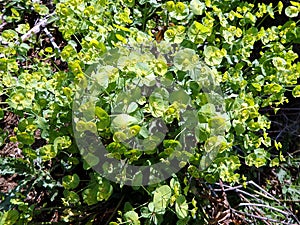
[245, 167]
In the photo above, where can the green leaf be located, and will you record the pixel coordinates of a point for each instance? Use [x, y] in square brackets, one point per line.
[70, 181]
[62, 142]
[132, 218]
[47, 152]
[274, 162]
[272, 88]
[213, 55]
[175, 185]
[206, 112]
[23, 28]
[9, 35]
[145, 212]
[212, 146]
[292, 11]
[280, 7]
[198, 33]
[181, 207]
[159, 102]
[186, 59]
[132, 107]
[279, 63]
[91, 126]
[71, 197]
[215, 144]
[134, 130]
[180, 12]
[9, 218]
[105, 75]
[296, 91]
[25, 138]
[30, 153]
[41, 9]
[89, 196]
[258, 158]
[43, 124]
[239, 127]
[91, 160]
[97, 192]
[122, 121]
[101, 113]
[180, 96]
[218, 125]
[1, 114]
[23, 123]
[105, 190]
[203, 132]
[197, 7]
[81, 126]
[161, 198]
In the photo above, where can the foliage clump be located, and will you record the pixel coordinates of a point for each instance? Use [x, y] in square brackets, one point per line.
[254, 63]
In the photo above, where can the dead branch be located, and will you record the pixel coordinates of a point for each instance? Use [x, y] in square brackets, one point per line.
[37, 28]
[52, 40]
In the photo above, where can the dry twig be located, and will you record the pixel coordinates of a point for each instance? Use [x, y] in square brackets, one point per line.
[51, 39]
[37, 28]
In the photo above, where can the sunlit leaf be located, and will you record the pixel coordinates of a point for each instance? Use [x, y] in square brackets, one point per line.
[181, 207]
[292, 11]
[70, 181]
[161, 198]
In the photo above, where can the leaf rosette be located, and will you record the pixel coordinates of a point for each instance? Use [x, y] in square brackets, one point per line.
[139, 99]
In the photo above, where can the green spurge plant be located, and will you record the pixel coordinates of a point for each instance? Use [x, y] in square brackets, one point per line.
[39, 83]
[139, 98]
